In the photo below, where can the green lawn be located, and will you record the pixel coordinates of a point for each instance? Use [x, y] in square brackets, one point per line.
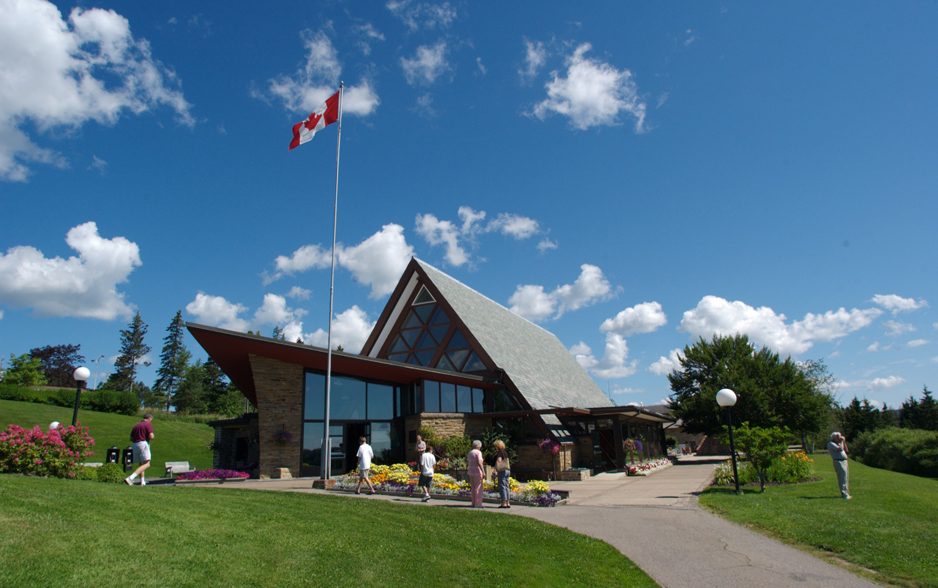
[77, 533]
[174, 440]
[890, 526]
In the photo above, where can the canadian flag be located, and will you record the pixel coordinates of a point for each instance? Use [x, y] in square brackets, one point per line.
[304, 131]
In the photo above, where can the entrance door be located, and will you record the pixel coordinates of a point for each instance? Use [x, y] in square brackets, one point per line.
[349, 452]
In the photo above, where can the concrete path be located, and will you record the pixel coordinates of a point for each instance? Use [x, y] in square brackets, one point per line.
[655, 521]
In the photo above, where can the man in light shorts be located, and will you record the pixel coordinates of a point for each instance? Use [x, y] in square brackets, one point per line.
[140, 436]
[365, 455]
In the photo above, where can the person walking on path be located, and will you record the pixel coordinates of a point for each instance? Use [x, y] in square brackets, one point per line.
[427, 463]
[503, 470]
[365, 455]
[837, 447]
[475, 469]
[140, 436]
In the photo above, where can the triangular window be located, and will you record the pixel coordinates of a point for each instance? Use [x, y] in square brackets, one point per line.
[423, 297]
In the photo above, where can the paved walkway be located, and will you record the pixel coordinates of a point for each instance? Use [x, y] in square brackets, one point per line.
[655, 521]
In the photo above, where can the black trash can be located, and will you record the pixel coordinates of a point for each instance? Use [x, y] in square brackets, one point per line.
[128, 458]
[113, 455]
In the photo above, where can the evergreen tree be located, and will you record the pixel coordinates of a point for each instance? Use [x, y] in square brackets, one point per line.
[859, 416]
[920, 414]
[191, 396]
[58, 363]
[278, 333]
[174, 360]
[133, 351]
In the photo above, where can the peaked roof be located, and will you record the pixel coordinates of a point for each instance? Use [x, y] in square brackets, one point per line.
[535, 360]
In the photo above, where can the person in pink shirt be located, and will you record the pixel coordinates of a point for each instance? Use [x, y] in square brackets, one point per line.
[475, 468]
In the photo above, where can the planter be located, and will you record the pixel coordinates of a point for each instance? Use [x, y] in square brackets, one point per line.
[210, 481]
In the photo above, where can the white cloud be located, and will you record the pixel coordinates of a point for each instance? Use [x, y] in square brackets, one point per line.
[453, 236]
[873, 347]
[218, 312]
[535, 56]
[1, 315]
[299, 293]
[367, 34]
[442, 232]
[377, 261]
[423, 15]
[481, 66]
[592, 94]
[535, 304]
[641, 318]
[717, 316]
[97, 164]
[917, 342]
[614, 363]
[307, 88]
[274, 311]
[82, 286]
[350, 329]
[63, 74]
[895, 328]
[885, 383]
[427, 64]
[665, 365]
[896, 304]
[546, 245]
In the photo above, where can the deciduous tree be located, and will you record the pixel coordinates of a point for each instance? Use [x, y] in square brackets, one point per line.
[59, 362]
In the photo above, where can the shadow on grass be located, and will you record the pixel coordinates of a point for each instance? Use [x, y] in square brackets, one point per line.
[820, 497]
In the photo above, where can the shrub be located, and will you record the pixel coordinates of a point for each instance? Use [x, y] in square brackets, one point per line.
[33, 452]
[455, 446]
[762, 446]
[910, 451]
[120, 402]
[86, 473]
[724, 474]
[791, 468]
[110, 472]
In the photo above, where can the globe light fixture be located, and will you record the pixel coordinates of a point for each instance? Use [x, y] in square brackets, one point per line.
[80, 374]
[726, 398]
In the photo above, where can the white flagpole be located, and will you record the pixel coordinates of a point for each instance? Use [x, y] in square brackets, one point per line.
[325, 466]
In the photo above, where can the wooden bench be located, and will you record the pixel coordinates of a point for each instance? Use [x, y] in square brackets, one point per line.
[177, 467]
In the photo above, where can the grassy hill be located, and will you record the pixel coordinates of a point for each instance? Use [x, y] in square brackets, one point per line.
[77, 533]
[890, 526]
[174, 440]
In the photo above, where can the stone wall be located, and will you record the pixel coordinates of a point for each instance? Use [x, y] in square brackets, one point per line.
[279, 388]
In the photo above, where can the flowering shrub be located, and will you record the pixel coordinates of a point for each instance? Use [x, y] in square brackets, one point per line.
[400, 478]
[646, 467]
[791, 467]
[212, 475]
[549, 445]
[35, 453]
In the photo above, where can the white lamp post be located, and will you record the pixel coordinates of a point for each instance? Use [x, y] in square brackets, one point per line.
[726, 398]
[81, 375]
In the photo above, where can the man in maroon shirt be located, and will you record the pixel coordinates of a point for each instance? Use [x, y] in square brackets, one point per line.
[140, 436]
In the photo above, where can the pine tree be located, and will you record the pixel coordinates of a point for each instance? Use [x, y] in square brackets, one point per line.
[132, 353]
[174, 360]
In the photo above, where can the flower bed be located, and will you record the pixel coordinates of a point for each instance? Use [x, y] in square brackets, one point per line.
[212, 475]
[400, 479]
[648, 467]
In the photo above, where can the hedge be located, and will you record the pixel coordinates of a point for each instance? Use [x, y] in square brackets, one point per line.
[910, 451]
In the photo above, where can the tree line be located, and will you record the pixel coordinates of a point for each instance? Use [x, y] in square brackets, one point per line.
[183, 385]
[776, 392]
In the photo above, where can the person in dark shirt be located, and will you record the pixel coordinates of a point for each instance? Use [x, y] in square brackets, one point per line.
[140, 436]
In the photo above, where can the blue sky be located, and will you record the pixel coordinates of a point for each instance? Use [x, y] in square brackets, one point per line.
[631, 178]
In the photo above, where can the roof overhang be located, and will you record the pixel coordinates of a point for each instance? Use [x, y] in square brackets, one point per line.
[634, 412]
[231, 350]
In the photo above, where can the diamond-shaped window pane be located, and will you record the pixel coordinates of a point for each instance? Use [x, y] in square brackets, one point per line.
[426, 342]
[458, 357]
[439, 333]
[439, 318]
[410, 336]
[399, 345]
[423, 297]
[424, 357]
[474, 364]
[445, 364]
[412, 358]
[457, 342]
[412, 321]
[424, 311]
[398, 356]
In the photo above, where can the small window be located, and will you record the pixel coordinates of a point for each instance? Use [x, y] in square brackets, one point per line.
[423, 297]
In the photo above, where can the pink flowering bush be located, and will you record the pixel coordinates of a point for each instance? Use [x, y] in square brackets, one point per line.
[57, 453]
